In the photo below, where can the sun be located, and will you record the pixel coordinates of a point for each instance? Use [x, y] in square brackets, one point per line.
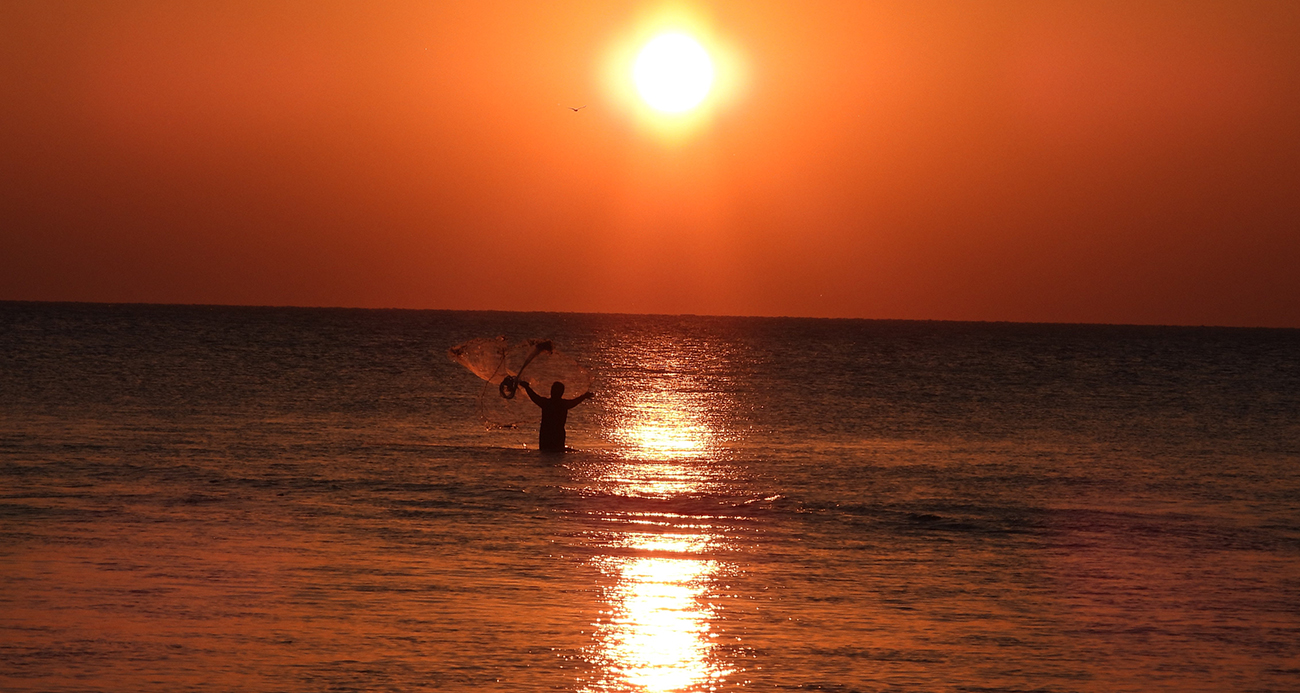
[673, 73]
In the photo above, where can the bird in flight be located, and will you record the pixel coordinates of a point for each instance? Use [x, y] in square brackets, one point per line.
[575, 110]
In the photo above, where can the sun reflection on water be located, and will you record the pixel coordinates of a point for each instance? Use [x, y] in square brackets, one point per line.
[656, 632]
[666, 439]
[656, 637]
[660, 422]
[664, 543]
[673, 435]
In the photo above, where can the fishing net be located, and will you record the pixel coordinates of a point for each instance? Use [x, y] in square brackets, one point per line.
[502, 403]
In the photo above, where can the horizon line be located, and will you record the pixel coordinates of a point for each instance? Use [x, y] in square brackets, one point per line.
[636, 314]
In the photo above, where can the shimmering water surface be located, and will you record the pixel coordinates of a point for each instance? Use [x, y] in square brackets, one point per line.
[203, 498]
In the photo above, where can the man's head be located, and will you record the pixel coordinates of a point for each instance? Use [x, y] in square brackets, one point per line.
[557, 390]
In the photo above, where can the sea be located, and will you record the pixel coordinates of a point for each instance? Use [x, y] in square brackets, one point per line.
[204, 498]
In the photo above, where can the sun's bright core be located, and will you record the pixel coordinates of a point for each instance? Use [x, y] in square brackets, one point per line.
[673, 73]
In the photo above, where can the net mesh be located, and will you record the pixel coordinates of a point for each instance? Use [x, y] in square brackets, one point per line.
[534, 361]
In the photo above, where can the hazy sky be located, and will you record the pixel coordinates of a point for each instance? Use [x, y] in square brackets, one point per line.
[1085, 161]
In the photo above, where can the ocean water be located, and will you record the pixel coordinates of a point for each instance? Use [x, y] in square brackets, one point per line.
[276, 499]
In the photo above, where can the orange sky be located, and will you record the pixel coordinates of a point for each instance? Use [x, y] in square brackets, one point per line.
[1085, 161]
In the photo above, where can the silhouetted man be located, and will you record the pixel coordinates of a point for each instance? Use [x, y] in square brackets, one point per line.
[555, 412]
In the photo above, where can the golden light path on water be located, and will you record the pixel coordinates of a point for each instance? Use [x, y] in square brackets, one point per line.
[657, 637]
[656, 634]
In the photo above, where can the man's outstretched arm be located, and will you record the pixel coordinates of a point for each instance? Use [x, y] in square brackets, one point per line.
[579, 399]
[531, 395]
